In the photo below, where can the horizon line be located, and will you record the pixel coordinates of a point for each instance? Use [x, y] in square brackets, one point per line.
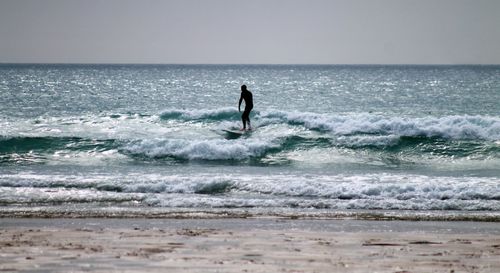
[251, 64]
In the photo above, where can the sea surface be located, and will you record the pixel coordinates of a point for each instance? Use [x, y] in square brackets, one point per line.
[373, 142]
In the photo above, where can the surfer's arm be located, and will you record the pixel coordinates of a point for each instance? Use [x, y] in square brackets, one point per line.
[239, 103]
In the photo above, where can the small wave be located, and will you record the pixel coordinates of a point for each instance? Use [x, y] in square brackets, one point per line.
[41, 150]
[211, 149]
[27, 144]
[223, 149]
[62, 196]
[221, 114]
[136, 183]
[386, 192]
[448, 127]
[371, 191]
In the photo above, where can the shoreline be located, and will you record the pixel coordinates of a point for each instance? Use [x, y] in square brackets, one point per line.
[262, 223]
[246, 245]
[77, 212]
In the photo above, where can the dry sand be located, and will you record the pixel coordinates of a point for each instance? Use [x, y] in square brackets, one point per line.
[244, 246]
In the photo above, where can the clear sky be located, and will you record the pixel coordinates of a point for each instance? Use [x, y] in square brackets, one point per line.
[251, 31]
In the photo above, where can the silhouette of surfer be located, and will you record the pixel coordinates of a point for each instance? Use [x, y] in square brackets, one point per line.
[247, 97]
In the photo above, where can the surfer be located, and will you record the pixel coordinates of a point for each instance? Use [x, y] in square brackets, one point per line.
[247, 97]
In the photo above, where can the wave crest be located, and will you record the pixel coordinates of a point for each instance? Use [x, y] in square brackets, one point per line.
[212, 149]
[227, 113]
[458, 127]
[449, 127]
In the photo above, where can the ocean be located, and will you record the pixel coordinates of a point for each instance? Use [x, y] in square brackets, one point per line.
[364, 142]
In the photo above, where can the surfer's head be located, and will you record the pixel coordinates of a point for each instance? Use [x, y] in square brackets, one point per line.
[243, 88]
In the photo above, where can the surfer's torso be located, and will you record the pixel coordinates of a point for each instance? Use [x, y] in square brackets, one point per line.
[248, 98]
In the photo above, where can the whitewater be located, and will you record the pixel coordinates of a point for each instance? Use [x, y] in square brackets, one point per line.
[400, 142]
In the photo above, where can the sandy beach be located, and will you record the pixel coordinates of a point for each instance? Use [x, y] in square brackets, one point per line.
[246, 245]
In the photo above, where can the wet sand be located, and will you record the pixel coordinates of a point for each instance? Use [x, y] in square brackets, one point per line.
[247, 245]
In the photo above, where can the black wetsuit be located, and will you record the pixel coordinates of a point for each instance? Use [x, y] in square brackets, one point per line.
[247, 97]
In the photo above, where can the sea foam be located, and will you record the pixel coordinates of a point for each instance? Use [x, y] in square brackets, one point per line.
[449, 127]
[210, 149]
[291, 191]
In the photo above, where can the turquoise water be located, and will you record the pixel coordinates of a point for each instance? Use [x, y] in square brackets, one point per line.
[149, 139]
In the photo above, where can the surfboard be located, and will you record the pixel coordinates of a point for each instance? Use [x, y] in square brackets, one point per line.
[235, 133]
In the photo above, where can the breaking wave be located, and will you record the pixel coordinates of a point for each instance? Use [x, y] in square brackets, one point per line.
[370, 191]
[448, 127]
[198, 135]
[227, 113]
[217, 149]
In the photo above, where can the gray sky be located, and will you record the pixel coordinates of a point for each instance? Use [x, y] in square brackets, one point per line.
[251, 31]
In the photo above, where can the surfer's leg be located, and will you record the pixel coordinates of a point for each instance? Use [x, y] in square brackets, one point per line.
[244, 120]
[248, 121]
[248, 118]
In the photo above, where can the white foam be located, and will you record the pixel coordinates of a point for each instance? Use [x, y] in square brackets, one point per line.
[452, 127]
[131, 126]
[209, 190]
[363, 192]
[87, 158]
[211, 149]
[24, 195]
